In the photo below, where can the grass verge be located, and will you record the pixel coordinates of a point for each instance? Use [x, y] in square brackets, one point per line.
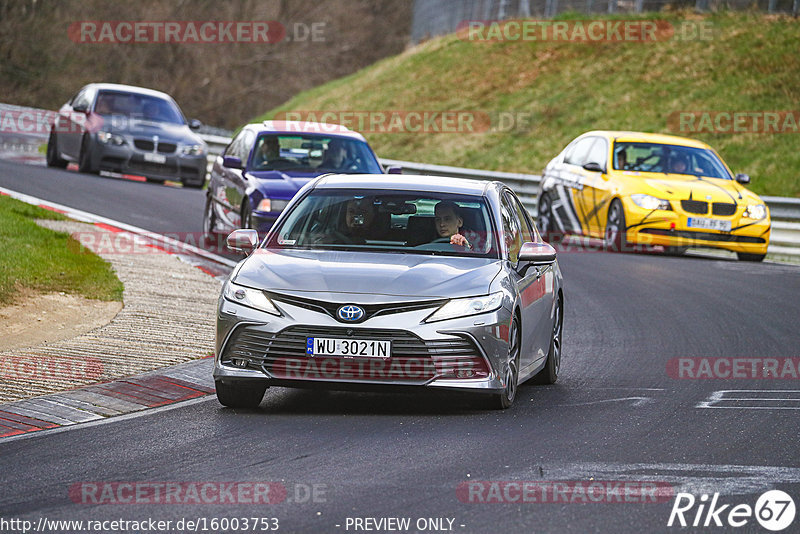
[38, 259]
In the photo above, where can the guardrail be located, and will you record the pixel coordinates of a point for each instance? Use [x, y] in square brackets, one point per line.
[785, 212]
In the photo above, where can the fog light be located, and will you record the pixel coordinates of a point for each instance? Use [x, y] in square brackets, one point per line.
[465, 373]
[240, 363]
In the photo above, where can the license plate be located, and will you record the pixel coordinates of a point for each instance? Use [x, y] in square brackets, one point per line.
[155, 158]
[709, 224]
[348, 348]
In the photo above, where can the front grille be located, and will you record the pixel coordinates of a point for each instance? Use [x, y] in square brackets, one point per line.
[706, 236]
[695, 206]
[413, 361]
[370, 310]
[723, 208]
[144, 144]
[167, 148]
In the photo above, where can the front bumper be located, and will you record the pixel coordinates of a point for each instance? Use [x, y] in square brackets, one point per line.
[256, 346]
[189, 169]
[671, 229]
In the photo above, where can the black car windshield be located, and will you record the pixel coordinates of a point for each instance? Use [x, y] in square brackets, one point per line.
[389, 221]
[671, 159]
[314, 154]
[138, 106]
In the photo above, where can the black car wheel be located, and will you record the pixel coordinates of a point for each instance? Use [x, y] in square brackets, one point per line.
[544, 217]
[237, 395]
[552, 366]
[504, 399]
[247, 215]
[85, 157]
[154, 180]
[209, 223]
[743, 256]
[53, 159]
[616, 239]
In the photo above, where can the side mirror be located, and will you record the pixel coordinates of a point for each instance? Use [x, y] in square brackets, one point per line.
[537, 253]
[232, 162]
[743, 179]
[81, 108]
[394, 169]
[195, 124]
[593, 166]
[242, 241]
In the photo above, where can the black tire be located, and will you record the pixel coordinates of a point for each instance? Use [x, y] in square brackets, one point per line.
[53, 159]
[504, 399]
[240, 395]
[744, 256]
[544, 218]
[675, 251]
[552, 366]
[616, 239]
[154, 180]
[247, 214]
[209, 222]
[85, 157]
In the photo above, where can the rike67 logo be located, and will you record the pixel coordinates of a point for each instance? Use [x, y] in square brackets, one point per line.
[774, 510]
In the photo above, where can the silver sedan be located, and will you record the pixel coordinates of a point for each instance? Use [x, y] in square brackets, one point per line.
[378, 280]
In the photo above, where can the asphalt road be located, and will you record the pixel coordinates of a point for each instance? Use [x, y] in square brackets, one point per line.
[616, 414]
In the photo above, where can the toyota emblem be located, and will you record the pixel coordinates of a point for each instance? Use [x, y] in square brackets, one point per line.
[350, 313]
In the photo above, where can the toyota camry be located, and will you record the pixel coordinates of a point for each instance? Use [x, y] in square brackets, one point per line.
[382, 280]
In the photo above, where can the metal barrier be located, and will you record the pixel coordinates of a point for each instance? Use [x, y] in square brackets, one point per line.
[785, 212]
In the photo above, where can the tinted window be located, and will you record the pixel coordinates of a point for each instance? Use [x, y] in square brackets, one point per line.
[673, 159]
[524, 220]
[313, 153]
[143, 107]
[392, 221]
[81, 99]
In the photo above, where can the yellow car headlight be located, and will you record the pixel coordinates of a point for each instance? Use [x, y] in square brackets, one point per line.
[650, 202]
[755, 211]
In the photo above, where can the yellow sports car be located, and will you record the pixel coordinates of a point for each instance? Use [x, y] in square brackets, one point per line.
[638, 189]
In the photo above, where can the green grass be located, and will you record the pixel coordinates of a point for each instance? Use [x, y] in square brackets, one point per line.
[749, 64]
[38, 259]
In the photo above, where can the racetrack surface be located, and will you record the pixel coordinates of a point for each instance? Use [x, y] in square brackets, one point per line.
[615, 414]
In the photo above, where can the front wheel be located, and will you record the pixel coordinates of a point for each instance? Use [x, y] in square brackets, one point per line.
[247, 215]
[85, 157]
[504, 399]
[209, 223]
[240, 395]
[544, 218]
[549, 374]
[743, 256]
[53, 159]
[616, 236]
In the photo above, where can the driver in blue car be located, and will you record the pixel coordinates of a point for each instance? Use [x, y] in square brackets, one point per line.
[449, 223]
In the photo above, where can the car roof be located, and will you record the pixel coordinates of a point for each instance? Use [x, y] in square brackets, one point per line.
[629, 136]
[405, 182]
[305, 128]
[129, 89]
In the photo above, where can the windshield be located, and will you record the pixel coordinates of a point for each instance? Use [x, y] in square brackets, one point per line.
[672, 159]
[314, 154]
[390, 221]
[137, 106]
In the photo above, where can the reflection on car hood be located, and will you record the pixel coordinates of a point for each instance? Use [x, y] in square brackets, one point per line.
[685, 186]
[374, 276]
[280, 184]
[166, 132]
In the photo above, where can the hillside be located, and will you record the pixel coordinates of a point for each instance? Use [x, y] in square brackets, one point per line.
[748, 63]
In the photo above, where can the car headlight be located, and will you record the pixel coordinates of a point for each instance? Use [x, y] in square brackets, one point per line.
[252, 298]
[650, 202]
[755, 211]
[193, 150]
[466, 307]
[110, 138]
[272, 204]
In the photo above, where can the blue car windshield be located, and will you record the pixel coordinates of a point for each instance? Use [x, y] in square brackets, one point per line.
[313, 154]
[669, 159]
[389, 221]
[138, 106]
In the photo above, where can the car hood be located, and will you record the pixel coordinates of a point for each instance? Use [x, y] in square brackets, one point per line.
[166, 132]
[682, 187]
[280, 184]
[375, 277]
